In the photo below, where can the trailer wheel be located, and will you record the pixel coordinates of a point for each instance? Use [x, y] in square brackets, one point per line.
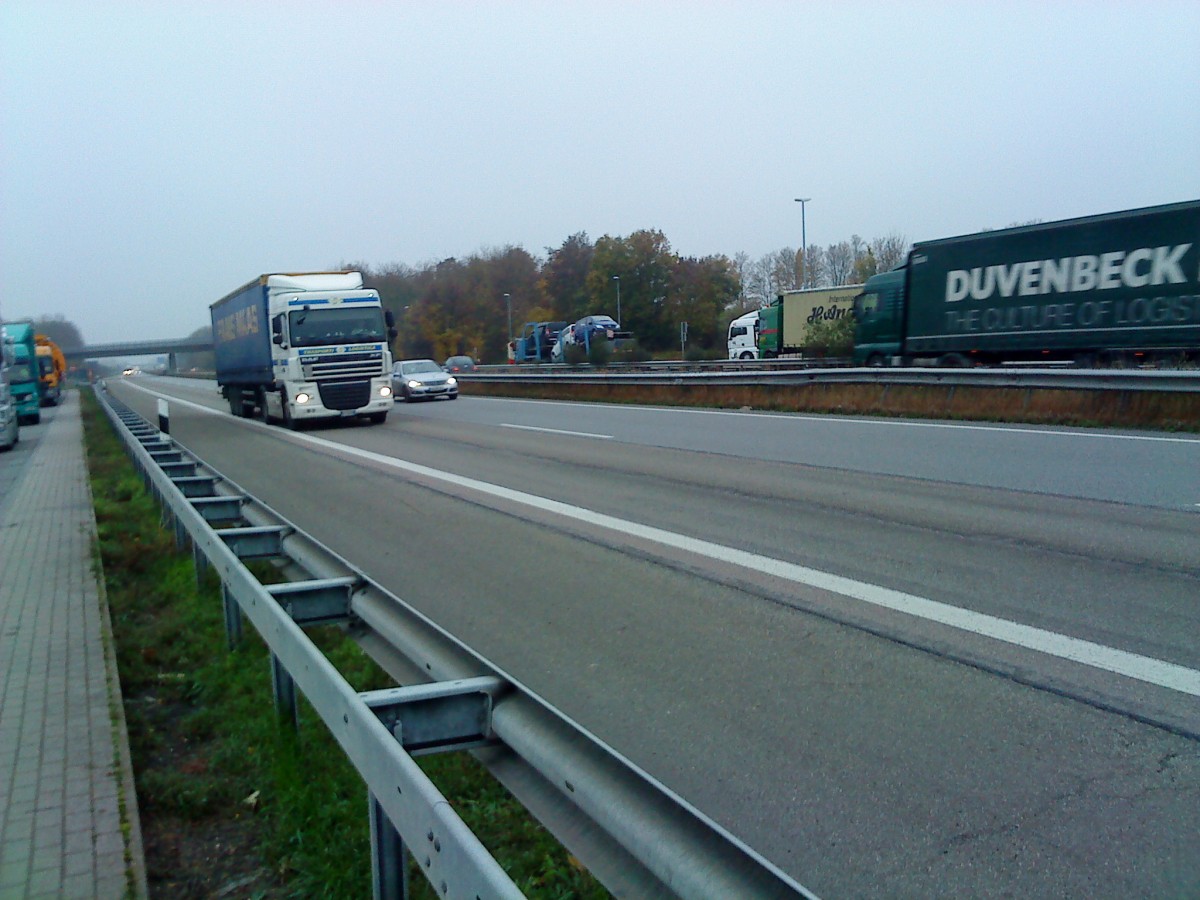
[875, 360]
[952, 361]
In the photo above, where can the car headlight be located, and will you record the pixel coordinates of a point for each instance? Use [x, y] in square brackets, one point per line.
[451, 380]
[302, 397]
[414, 384]
[385, 391]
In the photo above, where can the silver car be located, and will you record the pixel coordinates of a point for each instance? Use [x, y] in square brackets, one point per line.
[422, 379]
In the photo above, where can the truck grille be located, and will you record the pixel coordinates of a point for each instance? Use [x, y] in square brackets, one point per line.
[344, 394]
[343, 365]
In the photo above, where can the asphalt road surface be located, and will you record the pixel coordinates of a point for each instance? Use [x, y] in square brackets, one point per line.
[13, 462]
[899, 659]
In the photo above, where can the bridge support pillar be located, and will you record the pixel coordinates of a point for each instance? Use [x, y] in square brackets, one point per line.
[172, 366]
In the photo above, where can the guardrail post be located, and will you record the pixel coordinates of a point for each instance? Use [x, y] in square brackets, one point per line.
[233, 617]
[200, 564]
[389, 874]
[181, 535]
[283, 686]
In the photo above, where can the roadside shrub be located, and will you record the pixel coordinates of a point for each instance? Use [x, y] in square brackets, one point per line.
[574, 355]
[631, 351]
[600, 352]
[700, 354]
[831, 338]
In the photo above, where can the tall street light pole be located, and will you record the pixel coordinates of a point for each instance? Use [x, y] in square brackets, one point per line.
[508, 303]
[803, 240]
[617, 279]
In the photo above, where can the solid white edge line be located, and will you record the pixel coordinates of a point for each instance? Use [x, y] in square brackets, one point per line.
[1098, 656]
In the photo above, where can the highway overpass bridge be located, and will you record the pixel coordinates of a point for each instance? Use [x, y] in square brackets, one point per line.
[169, 348]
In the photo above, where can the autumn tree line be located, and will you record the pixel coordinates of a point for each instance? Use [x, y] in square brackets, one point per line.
[464, 306]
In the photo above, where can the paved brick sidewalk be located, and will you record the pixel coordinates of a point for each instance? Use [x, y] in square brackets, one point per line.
[64, 762]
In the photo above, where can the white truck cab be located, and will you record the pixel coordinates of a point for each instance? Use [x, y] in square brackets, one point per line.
[743, 336]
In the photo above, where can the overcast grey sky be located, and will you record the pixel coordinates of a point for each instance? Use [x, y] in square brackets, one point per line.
[156, 155]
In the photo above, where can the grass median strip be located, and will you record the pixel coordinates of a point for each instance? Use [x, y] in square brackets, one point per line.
[232, 803]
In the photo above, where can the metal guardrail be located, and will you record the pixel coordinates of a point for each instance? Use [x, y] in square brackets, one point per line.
[1168, 380]
[637, 836]
[792, 371]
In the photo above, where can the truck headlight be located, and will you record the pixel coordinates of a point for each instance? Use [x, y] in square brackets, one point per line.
[302, 397]
[385, 391]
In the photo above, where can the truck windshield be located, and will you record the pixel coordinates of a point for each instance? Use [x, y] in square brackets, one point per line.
[865, 305]
[313, 327]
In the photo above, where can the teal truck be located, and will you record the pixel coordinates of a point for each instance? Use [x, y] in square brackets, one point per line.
[24, 382]
[10, 431]
[1119, 288]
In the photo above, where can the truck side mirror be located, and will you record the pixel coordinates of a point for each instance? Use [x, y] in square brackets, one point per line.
[392, 332]
[277, 330]
[389, 320]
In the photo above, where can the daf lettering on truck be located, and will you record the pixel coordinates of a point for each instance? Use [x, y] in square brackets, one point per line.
[304, 347]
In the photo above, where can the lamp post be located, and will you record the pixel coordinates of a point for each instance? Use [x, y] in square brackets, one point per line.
[803, 240]
[508, 303]
[617, 279]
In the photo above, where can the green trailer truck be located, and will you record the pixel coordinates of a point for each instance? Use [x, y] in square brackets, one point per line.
[24, 381]
[1117, 288]
[783, 326]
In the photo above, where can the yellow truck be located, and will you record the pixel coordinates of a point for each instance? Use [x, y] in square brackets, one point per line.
[783, 326]
[52, 369]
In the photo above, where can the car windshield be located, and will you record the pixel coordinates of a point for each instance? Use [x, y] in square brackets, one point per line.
[313, 327]
[420, 365]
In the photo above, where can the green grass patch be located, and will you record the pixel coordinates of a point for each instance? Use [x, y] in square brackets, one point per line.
[232, 802]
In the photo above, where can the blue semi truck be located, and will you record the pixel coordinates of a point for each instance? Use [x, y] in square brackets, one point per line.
[304, 347]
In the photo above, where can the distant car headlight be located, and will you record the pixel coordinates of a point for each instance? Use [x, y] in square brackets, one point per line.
[302, 397]
[385, 391]
[451, 380]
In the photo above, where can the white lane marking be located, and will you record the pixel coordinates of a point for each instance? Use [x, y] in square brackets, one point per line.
[602, 437]
[878, 422]
[1098, 656]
